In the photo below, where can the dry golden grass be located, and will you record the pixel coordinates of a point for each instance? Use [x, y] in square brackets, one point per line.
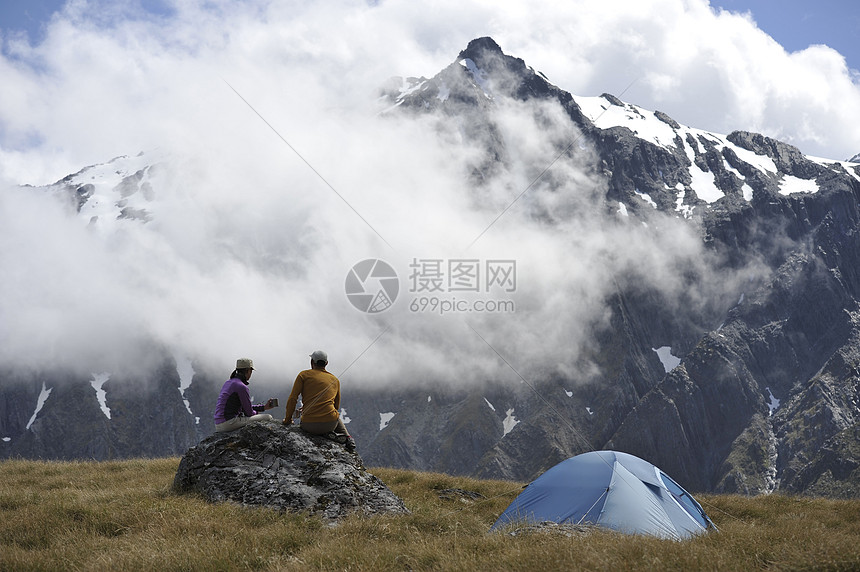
[123, 516]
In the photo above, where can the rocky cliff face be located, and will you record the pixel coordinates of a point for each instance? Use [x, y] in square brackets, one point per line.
[58, 415]
[767, 396]
[752, 388]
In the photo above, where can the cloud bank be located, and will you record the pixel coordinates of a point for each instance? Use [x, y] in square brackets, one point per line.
[254, 231]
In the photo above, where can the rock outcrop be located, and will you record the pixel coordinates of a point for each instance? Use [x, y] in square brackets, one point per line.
[269, 465]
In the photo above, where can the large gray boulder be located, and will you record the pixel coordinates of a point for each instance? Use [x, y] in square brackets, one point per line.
[270, 465]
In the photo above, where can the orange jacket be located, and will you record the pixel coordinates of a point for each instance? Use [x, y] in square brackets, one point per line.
[320, 391]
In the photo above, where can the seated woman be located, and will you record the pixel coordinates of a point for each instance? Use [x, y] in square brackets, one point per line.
[234, 409]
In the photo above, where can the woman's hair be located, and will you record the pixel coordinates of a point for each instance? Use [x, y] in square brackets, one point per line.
[240, 374]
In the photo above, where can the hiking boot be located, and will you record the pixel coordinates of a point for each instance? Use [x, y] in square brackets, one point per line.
[336, 437]
[350, 444]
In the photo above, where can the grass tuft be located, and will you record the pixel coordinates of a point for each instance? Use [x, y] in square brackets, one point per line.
[122, 515]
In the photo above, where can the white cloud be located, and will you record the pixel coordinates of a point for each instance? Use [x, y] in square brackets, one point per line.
[248, 249]
[101, 85]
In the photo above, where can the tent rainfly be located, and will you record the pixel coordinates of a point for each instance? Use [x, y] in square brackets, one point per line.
[610, 489]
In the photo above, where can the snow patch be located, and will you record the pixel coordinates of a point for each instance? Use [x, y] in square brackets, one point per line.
[685, 210]
[489, 404]
[622, 209]
[669, 361]
[120, 191]
[43, 397]
[791, 184]
[429, 399]
[385, 419]
[97, 382]
[705, 185]
[479, 75]
[407, 89]
[849, 165]
[729, 167]
[343, 416]
[590, 412]
[7, 439]
[186, 374]
[760, 162]
[510, 421]
[646, 197]
[703, 182]
[568, 393]
[638, 120]
[444, 92]
[773, 404]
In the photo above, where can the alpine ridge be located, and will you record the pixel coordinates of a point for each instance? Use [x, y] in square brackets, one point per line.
[752, 388]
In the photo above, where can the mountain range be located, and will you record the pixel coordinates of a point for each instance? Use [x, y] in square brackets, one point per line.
[750, 387]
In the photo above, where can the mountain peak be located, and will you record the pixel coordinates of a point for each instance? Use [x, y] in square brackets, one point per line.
[477, 49]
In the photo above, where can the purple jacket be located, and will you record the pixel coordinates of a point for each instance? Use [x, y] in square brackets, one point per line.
[234, 400]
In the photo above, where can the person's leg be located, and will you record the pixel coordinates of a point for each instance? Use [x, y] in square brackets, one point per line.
[230, 425]
[319, 428]
[340, 429]
[240, 421]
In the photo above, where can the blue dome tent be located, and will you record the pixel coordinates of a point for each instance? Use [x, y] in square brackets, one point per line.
[610, 489]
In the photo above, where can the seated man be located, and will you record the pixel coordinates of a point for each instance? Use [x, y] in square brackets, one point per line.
[234, 409]
[320, 392]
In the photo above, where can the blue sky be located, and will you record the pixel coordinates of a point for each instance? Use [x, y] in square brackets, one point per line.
[32, 15]
[795, 24]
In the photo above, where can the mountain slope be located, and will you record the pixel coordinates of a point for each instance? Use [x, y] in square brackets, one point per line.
[753, 198]
[742, 378]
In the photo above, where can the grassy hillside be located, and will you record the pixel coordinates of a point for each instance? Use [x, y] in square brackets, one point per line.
[123, 516]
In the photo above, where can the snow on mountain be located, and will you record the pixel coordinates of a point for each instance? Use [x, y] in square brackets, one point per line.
[772, 403]
[790, 185]
[43, 397]
[479, 75]
[706, 168]
[119, 190]
[385, 419]
[97, 382]
[607, 112]
[669, 361]
[344, 416]
[186, 374]
[849, 166]
[510, 421]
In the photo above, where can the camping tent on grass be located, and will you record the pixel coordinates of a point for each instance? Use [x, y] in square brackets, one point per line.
[610, 489]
